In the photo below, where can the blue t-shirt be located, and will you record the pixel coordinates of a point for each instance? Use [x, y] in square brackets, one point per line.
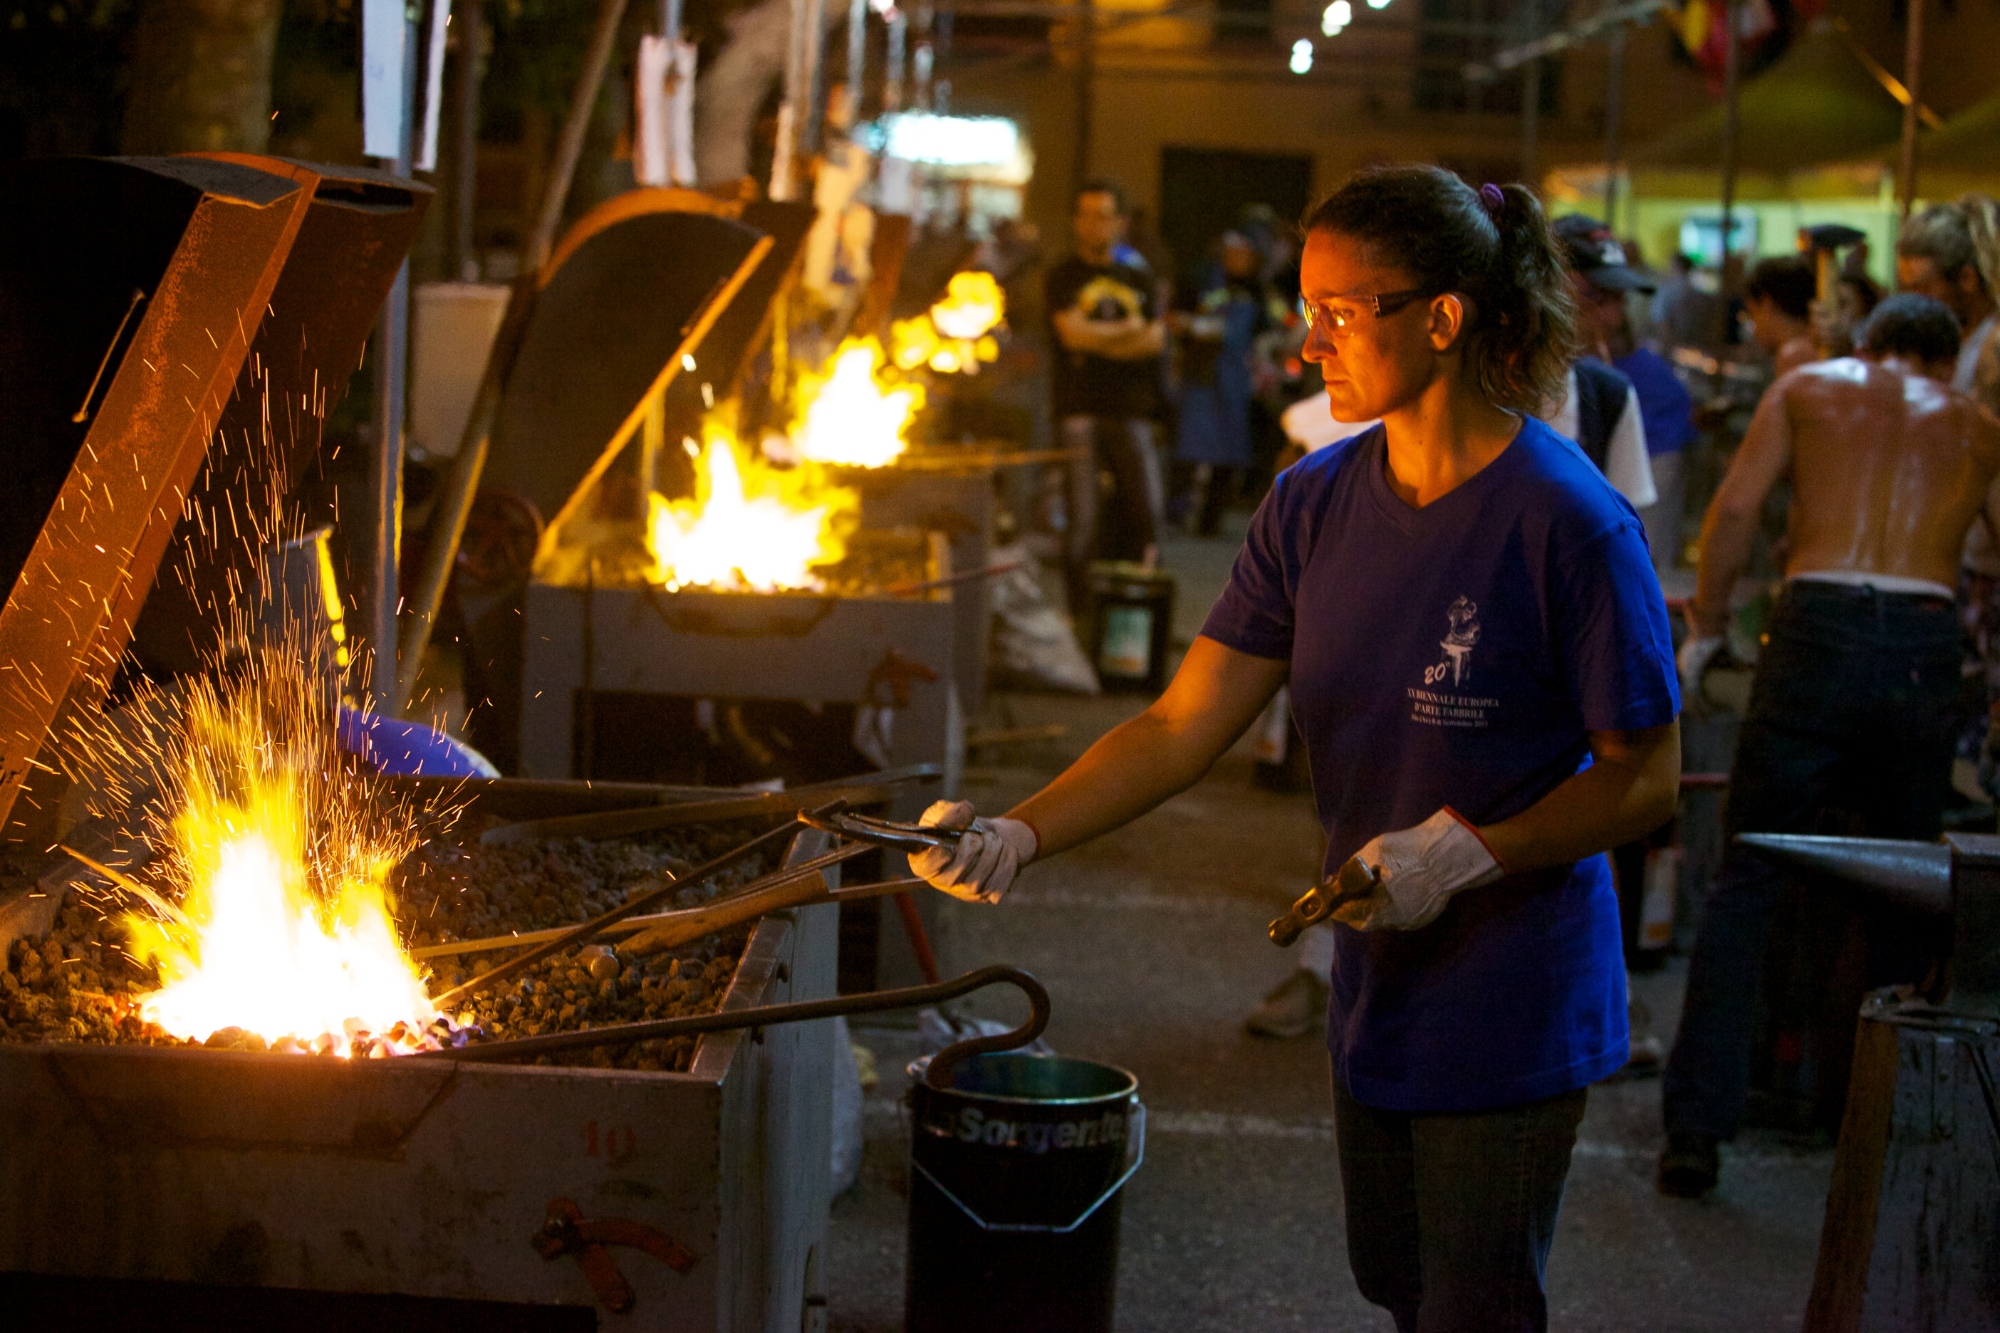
[1457, 655]
[1664, 402]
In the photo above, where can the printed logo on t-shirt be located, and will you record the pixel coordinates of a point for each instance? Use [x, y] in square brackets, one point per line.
[1106, 298]
[1439, 704]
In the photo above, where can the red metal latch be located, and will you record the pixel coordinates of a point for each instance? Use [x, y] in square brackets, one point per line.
[567, 1232]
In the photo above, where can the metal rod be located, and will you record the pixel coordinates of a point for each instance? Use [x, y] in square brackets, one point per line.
[1616, 19]
[919, 938]
[893, 60]
[1531, 105]
[943, 1065]
[1086, 91]
[857, 57]
[1913, 73]
[631, 907]
[964, 460]
[1614, 114]
[640, 925]
[1732, 128]
[392, 332]
[124, 883]
[462, 482]
[623, 823]
[814, 118]
[951, 580]
[471, 69]
[779, 891]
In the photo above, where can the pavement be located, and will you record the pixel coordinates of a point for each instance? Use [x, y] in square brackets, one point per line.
[1151, 942]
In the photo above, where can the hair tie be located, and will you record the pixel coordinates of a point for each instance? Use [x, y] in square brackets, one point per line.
[1492, 199]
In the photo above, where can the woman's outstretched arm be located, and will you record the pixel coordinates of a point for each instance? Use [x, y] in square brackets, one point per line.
[1216, 694]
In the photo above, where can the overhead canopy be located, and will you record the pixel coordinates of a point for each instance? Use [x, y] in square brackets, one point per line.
[1815, 104]
[1961, 154]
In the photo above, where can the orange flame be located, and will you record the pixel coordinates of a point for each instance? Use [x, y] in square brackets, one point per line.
[750, 527]
[285, 927]
[849, 415]
[956, 334]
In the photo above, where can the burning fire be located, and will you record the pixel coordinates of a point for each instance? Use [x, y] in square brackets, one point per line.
[849, 415]
[956, 334]
[283, 926]
[973, 304]
[750, 527]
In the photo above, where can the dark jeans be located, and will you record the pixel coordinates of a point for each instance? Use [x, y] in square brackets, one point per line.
[1450, 1217]
[1851, 710]
[1122, 446]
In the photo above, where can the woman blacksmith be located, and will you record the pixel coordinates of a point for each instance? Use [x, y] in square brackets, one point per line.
[1482, 671]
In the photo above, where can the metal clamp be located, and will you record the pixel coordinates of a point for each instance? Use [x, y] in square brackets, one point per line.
[1354, 881]
[1135, 1157]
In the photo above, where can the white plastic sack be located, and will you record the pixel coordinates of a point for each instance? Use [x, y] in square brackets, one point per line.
[1032, 641]
[846, 1110]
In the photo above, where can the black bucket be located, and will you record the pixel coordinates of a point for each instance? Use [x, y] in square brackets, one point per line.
[1016, 1176]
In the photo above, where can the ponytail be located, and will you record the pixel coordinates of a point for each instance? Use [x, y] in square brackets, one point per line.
[1492, 246]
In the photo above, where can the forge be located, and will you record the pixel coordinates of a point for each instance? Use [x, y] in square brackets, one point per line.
[252, 1169]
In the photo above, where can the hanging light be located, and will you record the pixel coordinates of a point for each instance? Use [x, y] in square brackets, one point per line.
[1336, 17]
[1378, 4]
[1302, 54]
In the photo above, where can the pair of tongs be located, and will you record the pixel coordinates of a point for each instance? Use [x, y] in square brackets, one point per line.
[890, 833]
[1351, 883]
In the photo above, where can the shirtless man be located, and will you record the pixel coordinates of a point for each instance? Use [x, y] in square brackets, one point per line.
[1778, 301]
[1858, 675]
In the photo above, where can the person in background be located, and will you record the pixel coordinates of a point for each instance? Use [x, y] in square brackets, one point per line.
[1104, 376]
[1667, 409]
[1852, 704]
[1777, 300]
[1218, 331]
[1951, 253]
[1683, 315]
[1600, 408]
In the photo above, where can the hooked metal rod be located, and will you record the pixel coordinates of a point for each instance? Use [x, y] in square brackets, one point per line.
[942, 1065]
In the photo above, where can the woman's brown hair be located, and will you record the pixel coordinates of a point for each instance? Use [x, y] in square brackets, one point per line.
[1491, 245]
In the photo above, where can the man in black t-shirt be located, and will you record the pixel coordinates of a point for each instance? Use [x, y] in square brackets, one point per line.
[1106, 343]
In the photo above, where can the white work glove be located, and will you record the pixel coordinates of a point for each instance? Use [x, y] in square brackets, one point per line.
[1697, 651]
[988, 856]
[1419, 869]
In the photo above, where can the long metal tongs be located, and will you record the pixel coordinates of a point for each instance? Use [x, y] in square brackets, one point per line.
[1351, 883]
[890, 833]
[633, 906]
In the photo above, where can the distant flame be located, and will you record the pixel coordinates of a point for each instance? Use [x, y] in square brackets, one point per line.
[285, 927]
[973, 304]
[750, 527]
[956, 334]
[849, 415]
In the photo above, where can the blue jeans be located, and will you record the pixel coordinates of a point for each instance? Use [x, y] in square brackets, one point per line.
[1450, 1216]
[1852, 708]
